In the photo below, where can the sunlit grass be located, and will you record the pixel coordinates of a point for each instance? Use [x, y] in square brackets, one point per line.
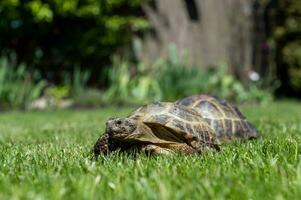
[45, 155]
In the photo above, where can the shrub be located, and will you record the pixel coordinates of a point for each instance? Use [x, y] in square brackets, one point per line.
[54, 36]
[18, 87]
[292, 59]
[77, 81]
[175, 78]
[286, 31]
[131, 84]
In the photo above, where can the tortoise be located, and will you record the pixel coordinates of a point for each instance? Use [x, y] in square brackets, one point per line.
[223, 117]
[190, 125]
[158, 128]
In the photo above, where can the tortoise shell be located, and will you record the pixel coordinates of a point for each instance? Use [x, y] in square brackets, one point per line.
[223, 117]
[175, 122]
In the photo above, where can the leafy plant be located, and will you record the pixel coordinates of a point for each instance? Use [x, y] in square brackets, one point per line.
[178, 78]
[18, 88]
[77, 32]
[286, 31]
[223, 84]
[292, 59]
[175, 78]
[77, 82]
[73, 91]
[58, 92]
[125, 87]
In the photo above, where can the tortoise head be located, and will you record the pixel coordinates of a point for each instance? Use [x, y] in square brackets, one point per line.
[120, 128]
[130, 130]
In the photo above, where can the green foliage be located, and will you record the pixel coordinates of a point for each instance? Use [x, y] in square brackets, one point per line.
[45, 155]
[221, 83]
[286, 36]
[177, 78]
[74, 90]
[174, 78]
[56, 35]
[131, 88]
[18, 87]
[77, 82]
[58, 92]
[292, 58]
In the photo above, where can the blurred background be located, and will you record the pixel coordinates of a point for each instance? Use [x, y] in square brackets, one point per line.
[90, 53]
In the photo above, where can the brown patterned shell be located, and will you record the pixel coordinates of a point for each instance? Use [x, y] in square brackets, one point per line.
[225, 118]
[180, 123]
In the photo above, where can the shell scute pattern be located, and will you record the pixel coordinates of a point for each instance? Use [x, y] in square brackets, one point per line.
[189, 128]
[228, 126]
[147, 111]
[223, 117]
[183, 120]
[179, 124]
[184, 114]
[163, 119]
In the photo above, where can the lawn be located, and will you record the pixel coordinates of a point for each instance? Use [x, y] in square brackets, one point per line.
[45, 155]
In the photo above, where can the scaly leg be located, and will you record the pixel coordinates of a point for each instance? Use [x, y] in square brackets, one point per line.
[105, 145]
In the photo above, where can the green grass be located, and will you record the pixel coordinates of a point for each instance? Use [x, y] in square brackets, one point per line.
[44, 155]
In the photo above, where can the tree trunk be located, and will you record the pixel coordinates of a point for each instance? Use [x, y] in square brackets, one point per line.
[211, 32]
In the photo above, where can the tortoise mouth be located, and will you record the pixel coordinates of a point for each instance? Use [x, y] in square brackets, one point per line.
[120, 136]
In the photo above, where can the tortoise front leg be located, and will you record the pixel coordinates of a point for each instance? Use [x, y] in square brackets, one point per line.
[102, 145]
[106, 145]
